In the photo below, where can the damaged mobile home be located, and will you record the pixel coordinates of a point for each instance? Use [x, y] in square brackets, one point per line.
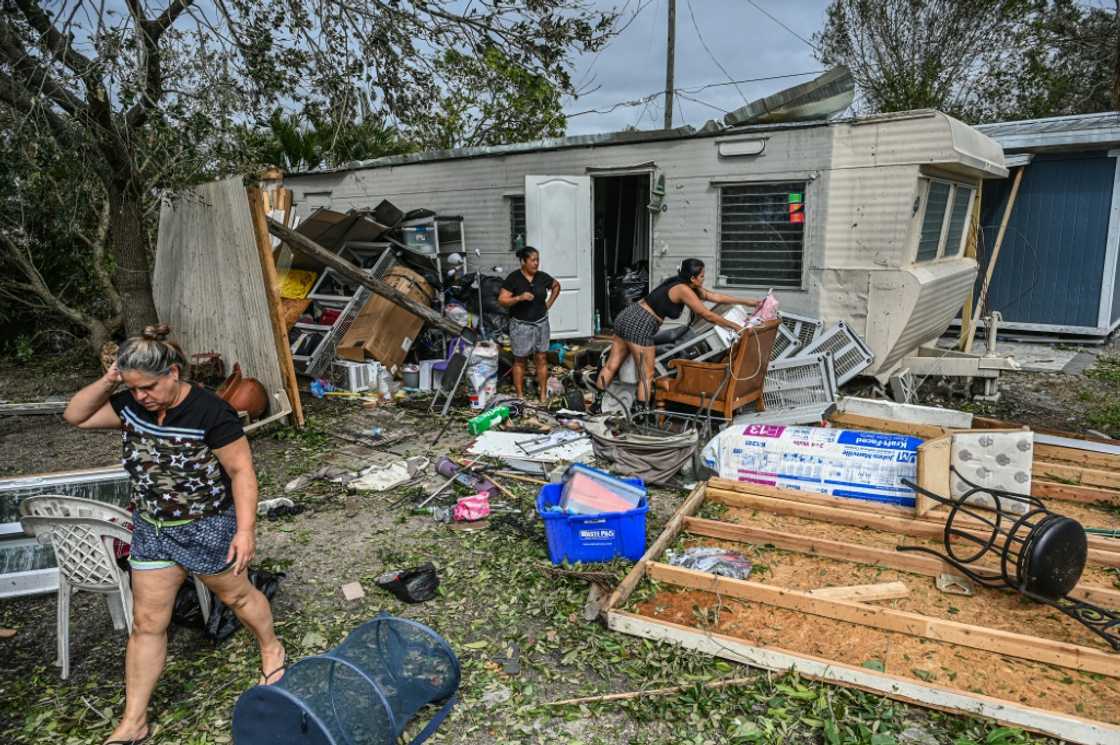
[860, 220]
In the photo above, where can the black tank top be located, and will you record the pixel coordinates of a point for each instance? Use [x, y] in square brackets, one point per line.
[659, 302]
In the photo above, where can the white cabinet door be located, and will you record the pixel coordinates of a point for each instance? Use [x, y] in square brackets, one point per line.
[558, 224]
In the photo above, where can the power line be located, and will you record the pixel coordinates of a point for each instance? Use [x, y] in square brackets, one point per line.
[787, 28]
[704, 44]
[649, 97]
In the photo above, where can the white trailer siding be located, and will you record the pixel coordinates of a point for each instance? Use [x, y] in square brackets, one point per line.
[860, 221]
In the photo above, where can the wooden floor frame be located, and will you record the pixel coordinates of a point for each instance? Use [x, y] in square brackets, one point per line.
[1054, 724]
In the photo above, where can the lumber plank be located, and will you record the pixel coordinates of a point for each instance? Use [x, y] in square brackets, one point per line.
[982, 296]
[997, 641]
[272, 293]
[877, 424]
[1076, 474]
[915, 563]
[933, 472]
[1010, 713]
[669, 533]
[1042, 451]
[864, 593]
[304, 245]
[1105, 461]
[873, 508]
[1074, 493]
[1101, 550]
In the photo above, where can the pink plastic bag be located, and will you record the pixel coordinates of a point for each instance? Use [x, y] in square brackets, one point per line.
[468, 509]
[767, 310]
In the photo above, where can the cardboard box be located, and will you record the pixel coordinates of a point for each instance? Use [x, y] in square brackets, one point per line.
[383, 330]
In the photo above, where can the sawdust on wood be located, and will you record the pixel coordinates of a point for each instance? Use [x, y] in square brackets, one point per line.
[1030, 683]
[1099, 576]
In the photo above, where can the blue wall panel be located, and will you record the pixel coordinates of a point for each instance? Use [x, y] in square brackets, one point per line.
[1050, 267]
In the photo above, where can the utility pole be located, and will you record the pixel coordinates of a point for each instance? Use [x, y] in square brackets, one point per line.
[670, 53]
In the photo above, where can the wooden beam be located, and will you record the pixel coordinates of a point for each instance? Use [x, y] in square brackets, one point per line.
[864, 593]
[910, 690]
[304, 245]
[970, 252]
[1076, 474]
[904, 561]
[915, 527]
[877, 424]
[982, 297]
[996, 641]
[1077, 456]
[689, 507]
[933, 472]
[1074, 493]
[879, 509]
[272, 294]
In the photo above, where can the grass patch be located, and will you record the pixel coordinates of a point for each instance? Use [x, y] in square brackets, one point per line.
[1105, 418]
[1107, 369]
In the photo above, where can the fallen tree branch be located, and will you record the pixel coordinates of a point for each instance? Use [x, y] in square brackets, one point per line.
[711, 685]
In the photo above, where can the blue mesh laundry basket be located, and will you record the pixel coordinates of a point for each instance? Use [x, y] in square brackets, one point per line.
[363, 692]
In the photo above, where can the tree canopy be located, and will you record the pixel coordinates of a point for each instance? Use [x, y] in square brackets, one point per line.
[156, 94]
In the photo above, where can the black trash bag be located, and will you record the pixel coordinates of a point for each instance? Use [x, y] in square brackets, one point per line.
[411, 585]
[222, 622]
[187, 612]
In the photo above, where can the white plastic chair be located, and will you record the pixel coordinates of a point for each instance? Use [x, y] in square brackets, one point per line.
[82, 532]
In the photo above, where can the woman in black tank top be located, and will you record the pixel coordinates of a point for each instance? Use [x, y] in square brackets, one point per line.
[636, 325]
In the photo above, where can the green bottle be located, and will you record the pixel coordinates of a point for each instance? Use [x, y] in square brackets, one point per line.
[488, 420]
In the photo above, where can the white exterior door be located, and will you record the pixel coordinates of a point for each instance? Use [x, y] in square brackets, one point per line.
[558, 224]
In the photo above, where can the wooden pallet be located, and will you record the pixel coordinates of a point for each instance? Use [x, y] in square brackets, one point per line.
[1011, 713]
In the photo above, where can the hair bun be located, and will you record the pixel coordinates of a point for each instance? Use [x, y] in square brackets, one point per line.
[158, 332]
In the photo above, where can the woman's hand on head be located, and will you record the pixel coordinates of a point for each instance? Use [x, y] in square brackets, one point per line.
[113, 375]
[241, 550]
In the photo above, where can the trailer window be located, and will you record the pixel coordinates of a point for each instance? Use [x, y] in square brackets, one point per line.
[958, 220]
[762, 234]
[516, 222]
[946, 219]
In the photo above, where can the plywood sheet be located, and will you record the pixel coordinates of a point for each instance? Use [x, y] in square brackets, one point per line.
[208, 283]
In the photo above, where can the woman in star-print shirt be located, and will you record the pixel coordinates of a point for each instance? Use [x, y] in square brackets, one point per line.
[195, 496]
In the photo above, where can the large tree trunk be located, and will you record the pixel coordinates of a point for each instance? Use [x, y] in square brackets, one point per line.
[128, 242]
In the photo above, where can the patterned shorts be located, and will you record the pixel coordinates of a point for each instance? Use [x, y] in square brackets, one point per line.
[199, 546]
[528, 338]
[636, 325]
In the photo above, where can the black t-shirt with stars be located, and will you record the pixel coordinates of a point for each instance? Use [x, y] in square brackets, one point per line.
[175, 474]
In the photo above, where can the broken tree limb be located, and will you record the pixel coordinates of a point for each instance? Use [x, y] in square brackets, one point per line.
[651, 692]
[304, 245]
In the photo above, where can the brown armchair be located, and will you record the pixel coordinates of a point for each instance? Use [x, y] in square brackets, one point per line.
[697, 383]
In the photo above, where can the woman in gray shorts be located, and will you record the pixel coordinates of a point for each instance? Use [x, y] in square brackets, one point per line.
[529, 294]
[635, 326]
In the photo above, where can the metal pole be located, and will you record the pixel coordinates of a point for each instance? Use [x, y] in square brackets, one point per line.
[670, 53]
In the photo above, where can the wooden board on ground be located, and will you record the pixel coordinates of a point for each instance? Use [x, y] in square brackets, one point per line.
[767, 626]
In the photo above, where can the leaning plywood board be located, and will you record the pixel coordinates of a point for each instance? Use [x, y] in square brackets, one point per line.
[208, 284]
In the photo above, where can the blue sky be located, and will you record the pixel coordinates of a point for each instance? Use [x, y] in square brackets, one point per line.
[741, 38]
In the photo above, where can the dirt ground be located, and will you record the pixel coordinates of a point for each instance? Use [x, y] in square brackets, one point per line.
[515, 625]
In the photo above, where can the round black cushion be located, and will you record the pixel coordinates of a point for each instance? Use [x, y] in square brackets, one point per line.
[1055, 556]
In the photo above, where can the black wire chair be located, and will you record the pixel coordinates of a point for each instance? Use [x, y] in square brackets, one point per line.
[1041, 553]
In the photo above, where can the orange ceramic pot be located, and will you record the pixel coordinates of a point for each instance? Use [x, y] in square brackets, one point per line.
[244, 394]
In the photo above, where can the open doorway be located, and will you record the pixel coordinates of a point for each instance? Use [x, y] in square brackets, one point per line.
[621, 243]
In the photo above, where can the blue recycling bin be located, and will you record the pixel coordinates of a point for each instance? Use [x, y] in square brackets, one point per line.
[365, 691]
